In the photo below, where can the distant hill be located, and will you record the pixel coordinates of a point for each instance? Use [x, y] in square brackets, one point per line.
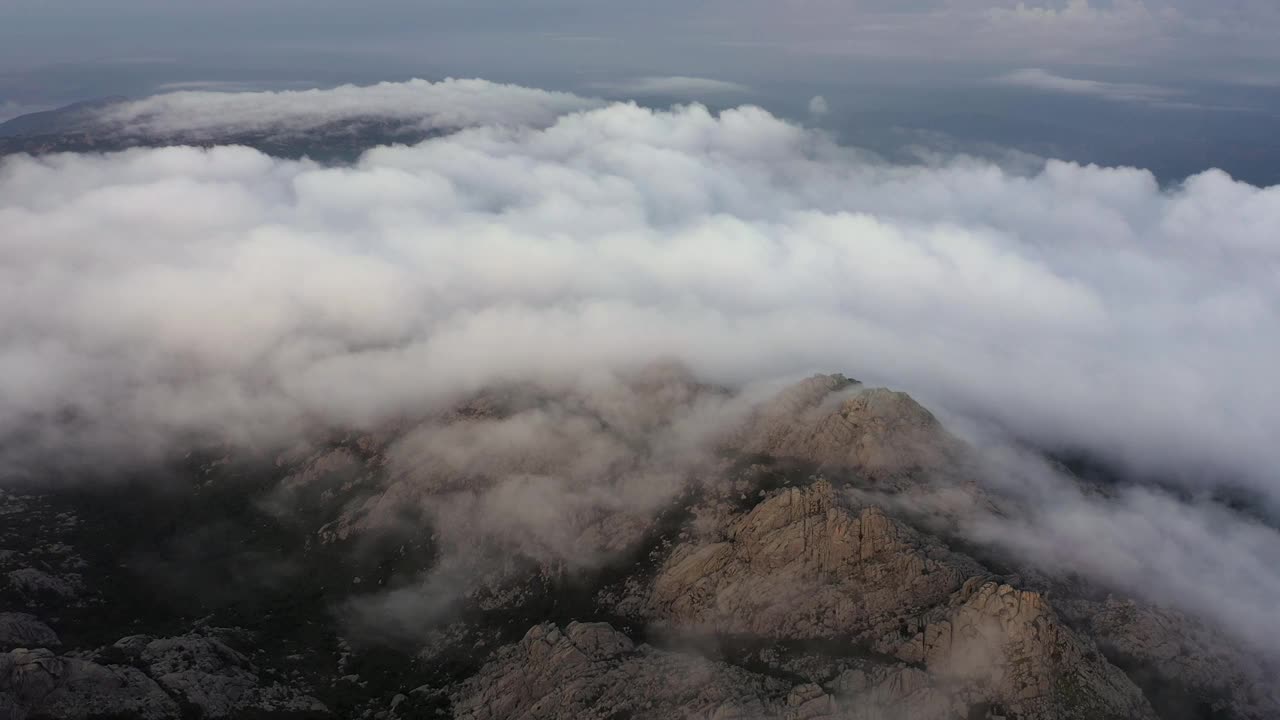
[77, 128]
[57, 120]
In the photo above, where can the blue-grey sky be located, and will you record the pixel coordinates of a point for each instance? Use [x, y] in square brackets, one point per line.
[1110, 81]
[1226, 40]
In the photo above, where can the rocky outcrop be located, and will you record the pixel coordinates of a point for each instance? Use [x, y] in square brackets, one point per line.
[739, 584]
[142, 678]
[1179, 659]
[1012, 643]
[590, 670]
[205, 673]
[806, 564]
[20, 630]
[802, 564]
[831, 420]
[37, 585]
[39, 684]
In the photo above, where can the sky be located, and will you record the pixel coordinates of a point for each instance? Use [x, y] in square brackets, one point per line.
[1121, 31]
[1175, 86]
[1227, 41]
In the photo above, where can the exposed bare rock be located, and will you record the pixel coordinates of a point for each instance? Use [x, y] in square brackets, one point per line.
[86, 691]
[30, 675]
[802, 564]
[382, 508]
[1012, 641]
[764, 590]
[38, 684]
[1184, 658]
[10, 709]
[589, 670]
[903, 693]
[831, 420]
[806, 564]
[36, 584]
[20, 630]
[207, 674]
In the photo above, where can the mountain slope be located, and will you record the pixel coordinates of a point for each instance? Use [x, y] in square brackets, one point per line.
[646, 546]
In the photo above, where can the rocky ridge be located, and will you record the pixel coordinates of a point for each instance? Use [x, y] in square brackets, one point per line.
[772, 578]
[139, 677]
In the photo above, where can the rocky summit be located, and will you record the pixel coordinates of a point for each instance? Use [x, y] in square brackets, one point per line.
[642, 546]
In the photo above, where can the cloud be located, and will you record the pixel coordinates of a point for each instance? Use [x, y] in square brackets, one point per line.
[1197, 557]
[447, 104]
[153, 294]
[1187, 553]
[675, 85]
[1043, 80]
[1190, 553]
[1074, 11]
[558, 478]
[818, 106]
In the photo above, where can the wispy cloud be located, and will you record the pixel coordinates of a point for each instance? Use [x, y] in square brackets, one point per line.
[208, 107]
[677, 85]
[1043, 80]
[1082, 305]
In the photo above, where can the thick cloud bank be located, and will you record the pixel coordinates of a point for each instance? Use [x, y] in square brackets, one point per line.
[154, 291]
[447, 104]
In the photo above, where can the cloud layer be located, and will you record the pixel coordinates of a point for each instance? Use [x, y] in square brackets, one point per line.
[1043, 80]
[185, 288]
[447, 104]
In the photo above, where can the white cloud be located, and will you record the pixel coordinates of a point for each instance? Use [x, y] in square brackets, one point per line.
[1074, 11]
[818, 106]
[675, 85]
[172, 289]
[446, 105]
[1040, 79]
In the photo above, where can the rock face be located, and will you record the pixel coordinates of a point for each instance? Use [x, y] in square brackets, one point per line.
[589, 670]
[1191, 670]
[617, 551]
[834, 421]
[143, 679]
[38, 684]
[801, 565]
[1012, 642]
[204, 673]
[36, 584]
[20, 630]
[804, 564]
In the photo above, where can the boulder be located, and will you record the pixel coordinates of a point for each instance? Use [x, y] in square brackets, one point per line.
[20, 630]
[206, 673]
